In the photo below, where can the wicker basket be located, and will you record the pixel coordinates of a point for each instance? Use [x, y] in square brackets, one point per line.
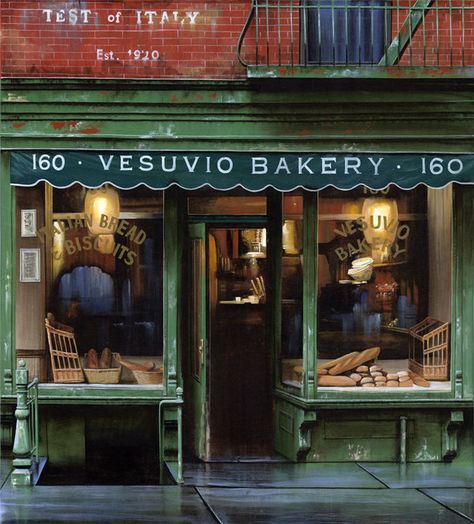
[65, 361]
[149, 377]
[105, 376]
[429, 349]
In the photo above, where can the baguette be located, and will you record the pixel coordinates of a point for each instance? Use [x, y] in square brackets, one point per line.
[92, 362]
[133, 366]
[328, 380]
[355, 361]
[105, 358]
[332, 363]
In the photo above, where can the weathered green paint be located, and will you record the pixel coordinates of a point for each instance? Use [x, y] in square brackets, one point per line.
[462, 330]
[160, 134]
[172, 285]
[293, 430]
[298, 116]
[197, 383]
[330, 395]
[453, 427]
[434, 116]
[381, 72]
[7, 277]
[310, 295]
[90, 394]
[170, 440]
[22, 474]
[393, 436]
[407, 32]
[338, 399]
[150, 101]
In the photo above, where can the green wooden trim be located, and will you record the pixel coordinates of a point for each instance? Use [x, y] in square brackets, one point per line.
[70, 394]
[462, 372]
[304, 116]
[197, 385]
[7, 278]
[286, 128]
[343, 143]
[310, 295]
[378, 72]
[379, 401]
[54, 98]
[405, 35]
[172, 285]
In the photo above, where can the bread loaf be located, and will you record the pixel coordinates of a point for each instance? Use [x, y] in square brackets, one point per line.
[336, 361]
[105, 359]
[145, 366]
[92, 361]
[328, 380]
[355, 360]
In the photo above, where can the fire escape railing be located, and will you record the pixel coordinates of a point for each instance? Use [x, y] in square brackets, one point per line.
[429, 34]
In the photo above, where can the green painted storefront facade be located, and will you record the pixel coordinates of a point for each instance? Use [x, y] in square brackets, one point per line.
[325, 116]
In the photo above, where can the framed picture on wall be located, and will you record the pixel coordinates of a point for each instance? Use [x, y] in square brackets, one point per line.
[28, 222]
[30, 265]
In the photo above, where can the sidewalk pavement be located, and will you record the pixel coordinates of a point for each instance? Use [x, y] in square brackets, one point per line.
[336, 493]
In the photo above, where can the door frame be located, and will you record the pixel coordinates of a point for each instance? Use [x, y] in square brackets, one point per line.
[198, 396]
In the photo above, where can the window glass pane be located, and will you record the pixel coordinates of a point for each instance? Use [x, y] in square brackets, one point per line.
[105, 250]
[71, 199]
[346, 31]
[379, 253]
[292, 291]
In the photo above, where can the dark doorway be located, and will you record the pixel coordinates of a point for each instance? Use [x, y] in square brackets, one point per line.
[240, 403]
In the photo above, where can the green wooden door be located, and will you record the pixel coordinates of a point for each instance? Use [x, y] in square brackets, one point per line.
[198, 337]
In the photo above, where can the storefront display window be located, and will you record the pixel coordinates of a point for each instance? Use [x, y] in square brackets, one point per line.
[384, 282]
[103, 255]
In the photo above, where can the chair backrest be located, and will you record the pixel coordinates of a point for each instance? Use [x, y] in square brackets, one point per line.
[65, 361]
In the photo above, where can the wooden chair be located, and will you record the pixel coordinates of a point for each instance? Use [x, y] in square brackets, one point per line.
[63, 351]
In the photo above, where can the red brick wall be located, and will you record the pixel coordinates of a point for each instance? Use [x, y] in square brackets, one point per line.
[188, 39]
[439, 38]
[191, 45]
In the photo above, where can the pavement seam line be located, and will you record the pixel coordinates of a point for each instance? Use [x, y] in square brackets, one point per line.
[208, 506]
[443, 504]
[374, 476]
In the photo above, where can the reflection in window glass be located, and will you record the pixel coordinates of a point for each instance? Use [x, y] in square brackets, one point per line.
[292, 291]
[107, 276]
[377, 251]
